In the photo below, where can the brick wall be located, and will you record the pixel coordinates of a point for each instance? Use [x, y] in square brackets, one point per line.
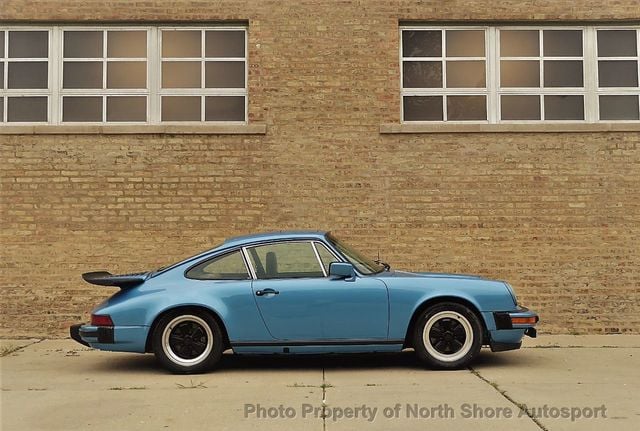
[556, 214]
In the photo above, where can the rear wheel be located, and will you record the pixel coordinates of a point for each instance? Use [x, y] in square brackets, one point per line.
[188, 342]
[448, 335]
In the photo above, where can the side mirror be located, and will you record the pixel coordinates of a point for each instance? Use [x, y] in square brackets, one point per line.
[341, 270]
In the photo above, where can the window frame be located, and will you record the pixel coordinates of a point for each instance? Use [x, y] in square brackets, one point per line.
[6, 92]
[153, 92]
[590, 90]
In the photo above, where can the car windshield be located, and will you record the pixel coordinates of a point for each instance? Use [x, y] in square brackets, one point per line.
[363, 264]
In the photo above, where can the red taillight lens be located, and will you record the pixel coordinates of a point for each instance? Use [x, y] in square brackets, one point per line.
[101, 320]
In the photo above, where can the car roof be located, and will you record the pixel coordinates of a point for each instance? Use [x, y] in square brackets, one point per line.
[273, 236]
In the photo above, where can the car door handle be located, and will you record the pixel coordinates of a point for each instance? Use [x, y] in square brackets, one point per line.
[266, 292]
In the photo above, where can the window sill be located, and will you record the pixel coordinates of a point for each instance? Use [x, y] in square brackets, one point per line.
[392, 128]
[218, 129]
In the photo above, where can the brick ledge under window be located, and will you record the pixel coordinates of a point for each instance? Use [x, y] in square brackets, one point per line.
[391, 128]
[218, 129]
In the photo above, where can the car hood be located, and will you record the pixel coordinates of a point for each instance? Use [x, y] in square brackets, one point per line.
[397, 274]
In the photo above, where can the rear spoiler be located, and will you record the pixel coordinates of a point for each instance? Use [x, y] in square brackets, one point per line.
[124, 281]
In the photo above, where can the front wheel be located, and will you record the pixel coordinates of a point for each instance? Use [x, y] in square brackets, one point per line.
[188, 342]
[448, 335]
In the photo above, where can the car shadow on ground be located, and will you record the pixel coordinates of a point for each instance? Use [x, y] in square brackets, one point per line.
[126, 363]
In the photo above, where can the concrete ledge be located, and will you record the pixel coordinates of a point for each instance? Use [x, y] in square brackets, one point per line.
[392, 128]
[226, 129]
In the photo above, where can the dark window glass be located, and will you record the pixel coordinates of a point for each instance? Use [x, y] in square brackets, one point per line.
[83, 44]
[82, 109]
[562, 43]
[466, 108]
[226, 43]
[422, 43]
[224, 74]
[518, 107]
[28, 74]
[422, 108]
[422, 74]
[564, 107]
[618, 73]
[617, 43]
[224, 108]
[285, 260]
[27, 109]
[181, 108]
[519, 43]
[126, 108]
[619, 107]
[28, 44]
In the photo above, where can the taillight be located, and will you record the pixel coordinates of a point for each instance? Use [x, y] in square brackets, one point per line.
[101, 320]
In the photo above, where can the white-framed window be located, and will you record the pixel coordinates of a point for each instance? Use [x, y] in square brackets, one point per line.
[88, 75]
[519, 74]
[25, 75]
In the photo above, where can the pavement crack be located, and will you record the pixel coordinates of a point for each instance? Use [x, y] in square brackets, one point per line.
[521, 406]
[10, 350]
[324, 402]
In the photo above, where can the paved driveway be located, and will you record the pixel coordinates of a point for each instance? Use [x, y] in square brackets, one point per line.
[564, 381]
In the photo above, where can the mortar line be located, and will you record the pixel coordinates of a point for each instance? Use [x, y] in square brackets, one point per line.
[17, 349]
[521, 407]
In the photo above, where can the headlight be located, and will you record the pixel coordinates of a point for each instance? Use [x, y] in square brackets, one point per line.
[513, 294]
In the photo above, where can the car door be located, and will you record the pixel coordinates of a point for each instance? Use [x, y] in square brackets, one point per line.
[299, 302]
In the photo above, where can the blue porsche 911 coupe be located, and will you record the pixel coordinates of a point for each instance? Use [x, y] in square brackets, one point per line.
[296, 293]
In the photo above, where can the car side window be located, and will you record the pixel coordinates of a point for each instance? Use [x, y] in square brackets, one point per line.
[325, 256]
[285, 260]
[228, 267]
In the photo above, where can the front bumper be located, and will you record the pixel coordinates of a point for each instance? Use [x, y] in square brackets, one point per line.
[510, 327]
[86, 334]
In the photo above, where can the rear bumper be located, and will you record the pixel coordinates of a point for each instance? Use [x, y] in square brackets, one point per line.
[86, 334]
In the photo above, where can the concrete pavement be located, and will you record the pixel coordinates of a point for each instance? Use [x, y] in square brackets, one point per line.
[60, 385]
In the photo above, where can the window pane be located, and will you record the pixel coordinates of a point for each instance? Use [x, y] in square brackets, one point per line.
[126, 44]
[466, 74]
[461, 108]
[224, 74]
[1, 110]
[619, 108]
[520, 107]
[83, 44]
[519, 73]
[28, 44]
[563, 73]
[83, 109]
[1, 43]
[1, 74]
[562, 43]
[618, 73]
[82, 74]
[422, 43]
[181, 43]
[33, 74]
[422, 74]
[181, 74]
[126, 74]
[519, 43]
[228, 267]
[285, 260]
[465, 43]
[27, 109]
[224, 108]
[617, 43]
[224, 43]
[181, 108]
[563, 107]
[126, 108]
[422, 108]
[325, 256]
